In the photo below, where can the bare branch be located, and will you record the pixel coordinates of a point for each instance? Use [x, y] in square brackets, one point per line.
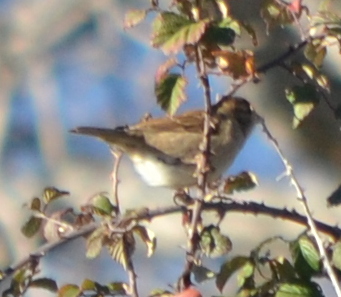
[310, 221]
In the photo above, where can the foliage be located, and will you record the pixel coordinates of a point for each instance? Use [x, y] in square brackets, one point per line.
[204, 35]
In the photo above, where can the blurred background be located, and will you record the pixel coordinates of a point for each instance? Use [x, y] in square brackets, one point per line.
[69, 63]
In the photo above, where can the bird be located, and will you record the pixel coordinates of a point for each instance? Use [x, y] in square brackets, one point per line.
[165, 150]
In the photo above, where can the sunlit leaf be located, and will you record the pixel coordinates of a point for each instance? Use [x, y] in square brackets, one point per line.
[164, 68]
[336, 256]
[246, 274]
[213, 243]
[172, 31]
[306, 289]
[230, 23]
[148, 237]
[119, 288]
[306, 257]
[102, 204]
[44, 283]
[276, 13]
[31, 227]
[238, 64]
[95, 243]
[170, 92]
[315, 52]
[134, 17]
[241, 182]
[51, 193]
[304, 99]
[69, 291]
[121, 248]
[335, 198]
[88, 285]
[228, 269]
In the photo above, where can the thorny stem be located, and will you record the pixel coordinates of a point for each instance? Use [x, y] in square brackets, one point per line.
[310, 221]
[117, 161]
[228, 206]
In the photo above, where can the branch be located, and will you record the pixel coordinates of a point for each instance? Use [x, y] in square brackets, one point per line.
[310, 221]
[230, 206]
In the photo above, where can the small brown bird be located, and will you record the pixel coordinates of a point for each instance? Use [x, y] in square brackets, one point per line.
[165, 150]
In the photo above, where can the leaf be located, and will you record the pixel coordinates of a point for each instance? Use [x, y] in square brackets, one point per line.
[335, 198]
[241, 182]
[170, 92]
[121, 248]
[315, 52]
[282, 269]
[95, 243]
[213, 243]
[88, 285]
[275, 13]
[228, 269]
[148, 237]
[54, 226]
[51, 193]
[306, 257]
[172, 31]
[164, 68]
[251, 31]
[44, 283]
[304, 99]
[202, 273]
[246, 274]
[216, 35]
[134, 17]
[35, 204]
[102, 205]
[119, 288]
[31, 227]
[306, 289]
[336, 256]
[240, 64]
[69, 291]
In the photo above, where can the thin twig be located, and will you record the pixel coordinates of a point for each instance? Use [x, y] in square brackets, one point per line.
[310, 221]
[115, 181]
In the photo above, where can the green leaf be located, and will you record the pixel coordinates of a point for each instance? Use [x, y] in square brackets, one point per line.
[51, 193]
[170, 92]
[202, 273]
[31, 227]
[44, 283]
[282, 269]
[308, 289]
[336, 256]
[69, 291]
[218, 36]
[95, 243]
[88, 285]
[241, 182]
[228, 269]
[315, 52]
[172, 31]
[335, 198]
[102, 205]
[304, 99]
[246, 274]
[118, 288]
[275, 13]
[230, 23]
[134, 17]
[121, 248]
[306, 257]
[213, 243]
[148, 237]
